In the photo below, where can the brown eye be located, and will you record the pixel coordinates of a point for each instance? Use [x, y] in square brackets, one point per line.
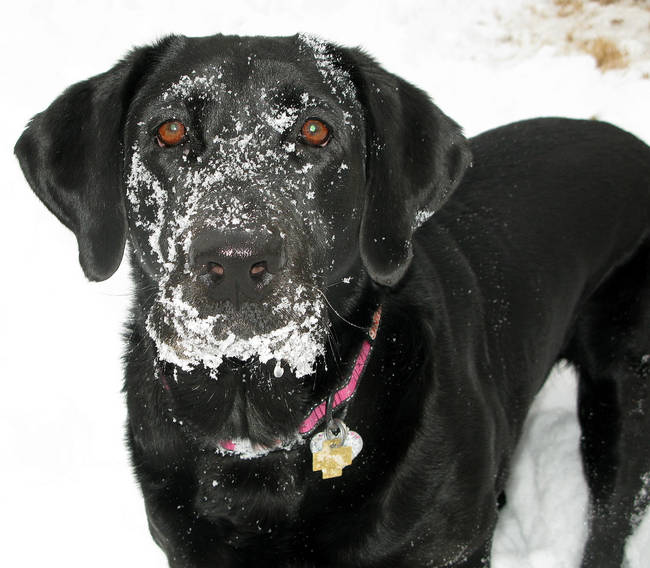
[315, 132]
[171, 133]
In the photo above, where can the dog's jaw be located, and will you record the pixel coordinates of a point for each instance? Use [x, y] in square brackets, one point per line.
[185, 338]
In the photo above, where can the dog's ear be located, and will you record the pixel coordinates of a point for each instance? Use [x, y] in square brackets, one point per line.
[71, 155]
[416, 156]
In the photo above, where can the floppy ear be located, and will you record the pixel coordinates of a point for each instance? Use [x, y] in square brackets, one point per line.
[416, 156]
[71, 155]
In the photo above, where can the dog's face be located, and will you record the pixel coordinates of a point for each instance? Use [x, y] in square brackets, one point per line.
[265, 185]
[244, 176]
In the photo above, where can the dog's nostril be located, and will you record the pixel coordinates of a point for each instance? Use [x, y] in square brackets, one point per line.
[258, 269]
[215, 268]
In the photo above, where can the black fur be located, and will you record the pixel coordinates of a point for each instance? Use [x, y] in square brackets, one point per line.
[537, 248]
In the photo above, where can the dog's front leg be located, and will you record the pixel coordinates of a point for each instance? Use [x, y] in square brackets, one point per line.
[169, 488]
[188, 540]
[480, 558]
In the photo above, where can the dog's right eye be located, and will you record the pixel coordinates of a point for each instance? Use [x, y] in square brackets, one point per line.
[315, 133]
[171, 133]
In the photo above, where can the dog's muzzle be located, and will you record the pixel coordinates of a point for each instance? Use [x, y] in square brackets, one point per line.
[237, 266]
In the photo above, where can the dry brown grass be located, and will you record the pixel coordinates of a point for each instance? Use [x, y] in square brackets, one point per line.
[566, 8]
[595, 27]
[606, 53]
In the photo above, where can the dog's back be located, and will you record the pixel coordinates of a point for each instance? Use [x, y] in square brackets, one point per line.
[554, 219]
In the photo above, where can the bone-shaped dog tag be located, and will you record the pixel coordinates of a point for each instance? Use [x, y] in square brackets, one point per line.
[332, 453]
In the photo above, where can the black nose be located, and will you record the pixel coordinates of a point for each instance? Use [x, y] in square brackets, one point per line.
[238, 265]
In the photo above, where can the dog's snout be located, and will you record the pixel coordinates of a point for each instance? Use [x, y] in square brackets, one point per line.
[238, 266]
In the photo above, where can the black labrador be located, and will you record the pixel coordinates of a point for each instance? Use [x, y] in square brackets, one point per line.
[321, 262]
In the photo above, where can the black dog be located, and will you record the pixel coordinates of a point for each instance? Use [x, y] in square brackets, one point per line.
[313, 241]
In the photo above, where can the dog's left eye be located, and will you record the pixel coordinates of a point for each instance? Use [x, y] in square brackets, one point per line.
[315, 132]
[170, 133]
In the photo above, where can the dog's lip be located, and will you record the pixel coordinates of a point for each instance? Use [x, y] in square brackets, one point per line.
[231, 445]
[245, 449]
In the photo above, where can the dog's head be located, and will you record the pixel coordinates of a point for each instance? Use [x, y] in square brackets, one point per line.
[249, 175]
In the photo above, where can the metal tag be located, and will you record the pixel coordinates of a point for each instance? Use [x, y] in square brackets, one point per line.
[332, 452]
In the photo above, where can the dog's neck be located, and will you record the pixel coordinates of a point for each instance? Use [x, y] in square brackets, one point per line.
[335, 401]
[318, 414]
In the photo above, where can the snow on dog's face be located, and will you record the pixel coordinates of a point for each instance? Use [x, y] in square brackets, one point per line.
[243, 197]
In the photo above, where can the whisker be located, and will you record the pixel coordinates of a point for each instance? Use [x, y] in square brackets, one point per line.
[344, 281]
[337, 313]
[334, 348]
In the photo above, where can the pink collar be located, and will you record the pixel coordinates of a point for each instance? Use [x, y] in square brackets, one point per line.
[345, 393]
[318, 413]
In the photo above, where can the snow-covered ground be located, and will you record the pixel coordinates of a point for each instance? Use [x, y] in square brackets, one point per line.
[67, 496]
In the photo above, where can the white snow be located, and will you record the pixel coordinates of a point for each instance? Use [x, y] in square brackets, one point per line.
[201, 86]
[338, 80]
[67, 492]
[298, 344]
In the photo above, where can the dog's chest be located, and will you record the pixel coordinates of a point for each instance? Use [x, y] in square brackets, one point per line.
[263, 494]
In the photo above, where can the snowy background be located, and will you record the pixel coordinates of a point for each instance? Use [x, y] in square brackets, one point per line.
[67, 495]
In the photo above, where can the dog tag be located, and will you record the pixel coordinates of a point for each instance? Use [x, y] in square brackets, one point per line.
[332, 452]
